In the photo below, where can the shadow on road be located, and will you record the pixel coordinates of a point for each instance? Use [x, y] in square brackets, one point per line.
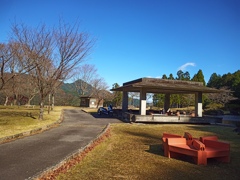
[106, 116]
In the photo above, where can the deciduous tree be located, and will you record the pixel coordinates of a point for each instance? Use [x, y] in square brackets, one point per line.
[54, 52]
[99, 89]
[83, 78]
[222, 98]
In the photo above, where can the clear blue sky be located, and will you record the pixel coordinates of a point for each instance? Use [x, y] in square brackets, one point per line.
[143, 38]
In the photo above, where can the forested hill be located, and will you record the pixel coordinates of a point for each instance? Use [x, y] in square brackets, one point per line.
[71, 88]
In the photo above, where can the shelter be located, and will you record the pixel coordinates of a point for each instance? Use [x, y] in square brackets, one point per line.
[164, 86]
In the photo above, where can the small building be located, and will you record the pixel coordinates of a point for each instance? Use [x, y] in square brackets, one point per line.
[92, 102]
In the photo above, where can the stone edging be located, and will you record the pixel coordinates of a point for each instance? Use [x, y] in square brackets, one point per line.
[72, 159]
[32, 132]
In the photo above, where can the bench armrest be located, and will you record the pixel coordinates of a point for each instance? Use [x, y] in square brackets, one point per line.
[188, 136]
[198, 145]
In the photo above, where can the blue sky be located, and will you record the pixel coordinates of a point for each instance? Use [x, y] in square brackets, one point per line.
[143, 38]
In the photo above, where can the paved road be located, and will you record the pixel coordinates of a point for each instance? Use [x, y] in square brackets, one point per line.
[24, 158]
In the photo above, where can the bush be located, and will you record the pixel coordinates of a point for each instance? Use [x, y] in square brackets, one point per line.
[214, 106]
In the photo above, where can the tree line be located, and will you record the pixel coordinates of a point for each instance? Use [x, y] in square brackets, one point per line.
[229, 98]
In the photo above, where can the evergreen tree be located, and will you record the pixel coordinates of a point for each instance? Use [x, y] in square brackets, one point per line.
[227, 80]
[171, 76]
[117, 95]
[185, 76]
[179, 75]
[158, 100]
[199, 77]
[164, 76]
[215, 81]
[235, 84]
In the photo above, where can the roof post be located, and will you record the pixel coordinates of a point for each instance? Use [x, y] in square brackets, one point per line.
[142, 108]
[198, 104]
[167, 102]
[125, 101]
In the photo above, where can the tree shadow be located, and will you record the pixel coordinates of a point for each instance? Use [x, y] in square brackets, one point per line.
[155, 149]
[106, 116]
[148, 138]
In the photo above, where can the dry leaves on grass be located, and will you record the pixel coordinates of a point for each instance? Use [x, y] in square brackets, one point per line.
[134, 152]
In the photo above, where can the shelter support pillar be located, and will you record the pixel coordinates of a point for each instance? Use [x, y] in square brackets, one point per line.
[198, 104]
[142, 108]
[167, 102]
[125, 101]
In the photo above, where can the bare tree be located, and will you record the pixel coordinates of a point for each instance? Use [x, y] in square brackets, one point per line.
[222, 98]
[55, 53]
[30, 88]
[13, 66]
[5, 91]
[13, 61]
[84, 76]
[99, 89]
[6, 55]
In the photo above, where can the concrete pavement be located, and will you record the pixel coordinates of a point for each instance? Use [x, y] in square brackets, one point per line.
[26, 157]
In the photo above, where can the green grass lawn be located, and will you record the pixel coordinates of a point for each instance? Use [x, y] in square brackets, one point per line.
[14, 119]
[133, 151]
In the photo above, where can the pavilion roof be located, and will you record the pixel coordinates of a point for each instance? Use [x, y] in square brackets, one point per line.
[156, 85]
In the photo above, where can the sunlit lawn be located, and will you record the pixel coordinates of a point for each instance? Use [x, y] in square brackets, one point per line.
[134, 152]
[14, 120]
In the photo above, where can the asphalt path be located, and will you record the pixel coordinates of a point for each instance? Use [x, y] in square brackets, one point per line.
[24, 158]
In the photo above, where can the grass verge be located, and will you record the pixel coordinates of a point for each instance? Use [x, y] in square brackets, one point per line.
[134, 152]
[15, 120]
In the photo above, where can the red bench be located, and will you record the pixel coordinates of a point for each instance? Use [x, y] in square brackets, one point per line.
[217, 150]
[179, 146]
[187, 135]
[201, 150]
[189, 138]
[202, 139]
[164, 141]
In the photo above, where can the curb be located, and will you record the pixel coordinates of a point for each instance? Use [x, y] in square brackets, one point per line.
[31, 132]
[73, 158]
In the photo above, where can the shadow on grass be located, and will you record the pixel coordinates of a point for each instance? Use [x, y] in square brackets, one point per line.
[224, 133]
[155, 149]
[145, 137]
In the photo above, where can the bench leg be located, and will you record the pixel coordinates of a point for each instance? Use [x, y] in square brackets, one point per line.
[200, 159]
